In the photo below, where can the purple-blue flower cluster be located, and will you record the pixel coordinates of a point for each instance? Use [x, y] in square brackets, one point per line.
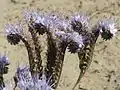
[74, 40]
[107, 28]
[25, 81]
[4, 62]
[79, 23]
[73, 34]
[14, 32]
[63, 28]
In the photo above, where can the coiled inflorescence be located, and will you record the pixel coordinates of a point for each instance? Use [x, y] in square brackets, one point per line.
[74, 40]
[79, 23]
[14, 32]
[107, 28]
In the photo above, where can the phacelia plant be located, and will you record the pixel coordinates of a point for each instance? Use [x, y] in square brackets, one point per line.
[62, 33]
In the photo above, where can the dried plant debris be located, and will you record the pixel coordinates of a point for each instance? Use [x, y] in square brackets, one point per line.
[62, 33]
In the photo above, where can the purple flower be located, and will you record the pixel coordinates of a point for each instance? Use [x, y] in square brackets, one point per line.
[4, 62]
[4, 59]
[63, 36]
[38, 22]
[25, 81]
[107, 28]
[62, 24]
[14, 28]
[79, 22]
[76, 42]
[42, 84]
[33, 18]
[14, 32]
[49, 22]
[24, 78]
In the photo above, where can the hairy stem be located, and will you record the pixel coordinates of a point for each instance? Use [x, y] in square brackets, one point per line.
[37, 50]
[86, 54]
[30, 54]
[51, 56]
[59, 62]
[55, 58]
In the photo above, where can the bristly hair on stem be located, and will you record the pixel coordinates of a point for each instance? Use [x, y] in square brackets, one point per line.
[52, 57]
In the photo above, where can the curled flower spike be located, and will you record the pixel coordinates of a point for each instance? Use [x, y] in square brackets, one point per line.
[25, 81]
[34, 16]
[77, 38]
[14, 33]
[79, 23]
[42, 23]
[107, 29]
[76, 42]
[37, 21]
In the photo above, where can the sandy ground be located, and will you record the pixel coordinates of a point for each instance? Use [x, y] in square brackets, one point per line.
[104, 72]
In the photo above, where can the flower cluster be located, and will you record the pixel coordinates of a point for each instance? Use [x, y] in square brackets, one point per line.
[62, 33]
[79, 23]
[74, 40]
[46, 23]
[4, 62]
[14, 32]
[107, 29]
[25, 81]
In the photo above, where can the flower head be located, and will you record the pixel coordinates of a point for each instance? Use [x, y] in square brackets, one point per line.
[107, 29]
[63, 36]
[63, 25]
[76, 42]
[23, 78]
[48, 22]
[4, 62]
[14, 28]
[13, 33]
[79, 23]
[39, 22]
[73, 39]
[25, 81]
